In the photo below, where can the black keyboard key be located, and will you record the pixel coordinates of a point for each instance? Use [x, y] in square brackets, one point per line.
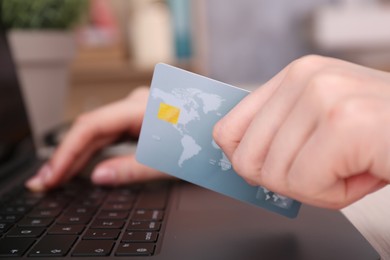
[74, 187]
[113, 207]
[110, 234]
[144, 225]
[11, 246]
[53, 245]
[19, 210]
[35, 222]
[9, 218]
[26, 194]
[148, 215]
[107, 223]
[135, 249]
[53, 204]
[44, 213]
[96, 194]
[93, 248]
[125, 206]
[120, 198]
[89, 202]
[113, 215]
[131, 236]
[78, 211]
[66, 230]
[4, 227]
[24, 201]
[74, 220]
[25, 232]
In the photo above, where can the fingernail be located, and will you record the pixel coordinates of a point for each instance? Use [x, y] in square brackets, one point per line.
[37, 183]
[104, 176]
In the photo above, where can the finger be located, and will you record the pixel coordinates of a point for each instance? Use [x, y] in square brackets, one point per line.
[107, 121]
[46, 178]
[250, 154]
[316, 100]
[288, 140]
[91, 132]
[76, 167]
[343, 153]
[228, 131]
[124, 170]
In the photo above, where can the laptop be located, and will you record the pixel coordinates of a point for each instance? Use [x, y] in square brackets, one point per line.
[157, 220]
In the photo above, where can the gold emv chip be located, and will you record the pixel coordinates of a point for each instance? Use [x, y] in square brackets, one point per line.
[168, 113]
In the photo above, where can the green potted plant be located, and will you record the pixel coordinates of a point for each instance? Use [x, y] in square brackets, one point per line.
[42, 39]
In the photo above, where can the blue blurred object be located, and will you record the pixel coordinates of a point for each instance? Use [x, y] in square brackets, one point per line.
[181, 23]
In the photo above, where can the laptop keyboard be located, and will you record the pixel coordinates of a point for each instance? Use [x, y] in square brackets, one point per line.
[80, 219]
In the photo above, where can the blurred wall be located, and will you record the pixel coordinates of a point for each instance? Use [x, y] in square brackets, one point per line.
[248, 41]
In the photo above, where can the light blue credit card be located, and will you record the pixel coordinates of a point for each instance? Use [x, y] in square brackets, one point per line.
[176, 136]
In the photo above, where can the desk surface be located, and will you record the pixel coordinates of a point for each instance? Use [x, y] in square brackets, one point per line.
[371, 216]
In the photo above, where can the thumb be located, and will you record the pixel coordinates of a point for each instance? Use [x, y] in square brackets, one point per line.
[123, 170]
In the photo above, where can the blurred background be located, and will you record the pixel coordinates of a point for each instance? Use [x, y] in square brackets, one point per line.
[244, 43]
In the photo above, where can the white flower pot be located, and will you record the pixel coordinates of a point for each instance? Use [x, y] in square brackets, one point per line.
[43, 59]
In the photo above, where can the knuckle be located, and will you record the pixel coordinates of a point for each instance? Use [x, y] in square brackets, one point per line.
[321, 84]
[83, 127]
[327, 85]
[351, 112]
[299, 67]
[83, 119]
[331, 79]
[308, 61]
[322, 87]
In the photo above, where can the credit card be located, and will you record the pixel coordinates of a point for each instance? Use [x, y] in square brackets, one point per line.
[176, 136]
